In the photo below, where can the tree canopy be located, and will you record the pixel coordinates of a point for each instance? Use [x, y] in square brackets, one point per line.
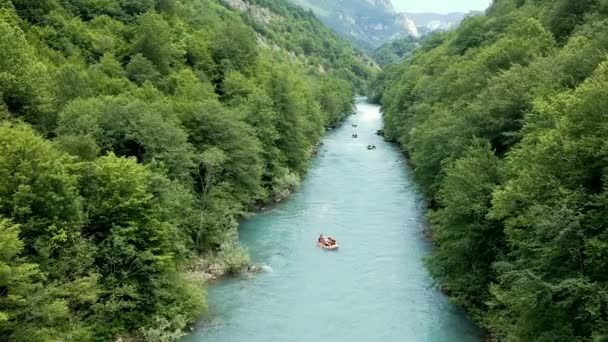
[133, 135]
[504, 122]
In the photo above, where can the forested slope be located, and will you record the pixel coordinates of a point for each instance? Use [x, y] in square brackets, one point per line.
[395, 51]
[133, 133]
[504, 121]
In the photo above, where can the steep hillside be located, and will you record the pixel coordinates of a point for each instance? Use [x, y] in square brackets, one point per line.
[504, 121]
[395, 51]
[300, 34]
[133, 135]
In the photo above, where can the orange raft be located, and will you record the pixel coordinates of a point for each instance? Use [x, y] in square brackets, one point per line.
[332, 247]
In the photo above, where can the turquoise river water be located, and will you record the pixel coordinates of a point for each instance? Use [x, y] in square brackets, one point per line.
[374, 288]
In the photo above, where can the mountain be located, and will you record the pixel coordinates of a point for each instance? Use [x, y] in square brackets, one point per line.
[371, 23]
[429, 22]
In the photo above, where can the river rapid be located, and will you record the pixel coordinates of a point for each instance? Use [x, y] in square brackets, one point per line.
[374, 288]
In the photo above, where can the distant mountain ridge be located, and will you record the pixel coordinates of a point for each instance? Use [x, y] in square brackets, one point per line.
[428, 22]
[371, 23]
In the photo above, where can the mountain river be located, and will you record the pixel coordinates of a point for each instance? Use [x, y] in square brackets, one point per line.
[374, 288]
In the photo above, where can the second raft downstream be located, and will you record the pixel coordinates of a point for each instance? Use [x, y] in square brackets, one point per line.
[375, 288]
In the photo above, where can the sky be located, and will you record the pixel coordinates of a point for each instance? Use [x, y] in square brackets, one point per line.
[440, 6]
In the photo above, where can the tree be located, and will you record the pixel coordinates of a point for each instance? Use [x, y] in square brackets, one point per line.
[38, 189]
[209, 125]
[234, 48]
[130, 127]
[468, 242]
[24, 84]
[289, 124]
[39, 193]
[18, 278]
[72, 83]
[33, 10]
[140, 70]
[137, 245]
[198, 55]
[137, 7]
[562, 16]
[154, 41]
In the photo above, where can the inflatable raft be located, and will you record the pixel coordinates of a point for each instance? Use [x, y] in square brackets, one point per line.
[332, 247]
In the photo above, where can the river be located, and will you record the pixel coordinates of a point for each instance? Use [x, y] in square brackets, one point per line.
[374, 288]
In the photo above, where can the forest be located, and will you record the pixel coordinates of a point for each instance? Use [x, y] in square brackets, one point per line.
[134, 134]
[504, 123]
[393, 52]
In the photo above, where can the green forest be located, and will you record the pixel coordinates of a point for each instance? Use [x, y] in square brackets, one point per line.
[395, 51]
[133, 136]
[504, 122]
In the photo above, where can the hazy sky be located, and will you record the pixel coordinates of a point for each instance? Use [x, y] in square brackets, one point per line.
[440, 6]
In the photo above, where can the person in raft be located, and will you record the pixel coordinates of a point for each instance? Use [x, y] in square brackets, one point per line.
[326, 242]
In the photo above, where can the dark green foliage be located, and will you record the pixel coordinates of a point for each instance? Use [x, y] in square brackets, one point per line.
[40, 194]
[289, 103]
[153, 40]
[235, 48]
[135, 7]
[37, 188]
[138, 248]
[34, 10]
[210, 126]
[72, 82]
[504, 121]
[133, 135]
[131, 128]
[140, 70]
[471, 241]
[563, 16]
[24, 81]
[470, 34]
[396, 51]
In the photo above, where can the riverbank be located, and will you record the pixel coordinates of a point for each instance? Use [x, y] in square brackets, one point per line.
[234, 260]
